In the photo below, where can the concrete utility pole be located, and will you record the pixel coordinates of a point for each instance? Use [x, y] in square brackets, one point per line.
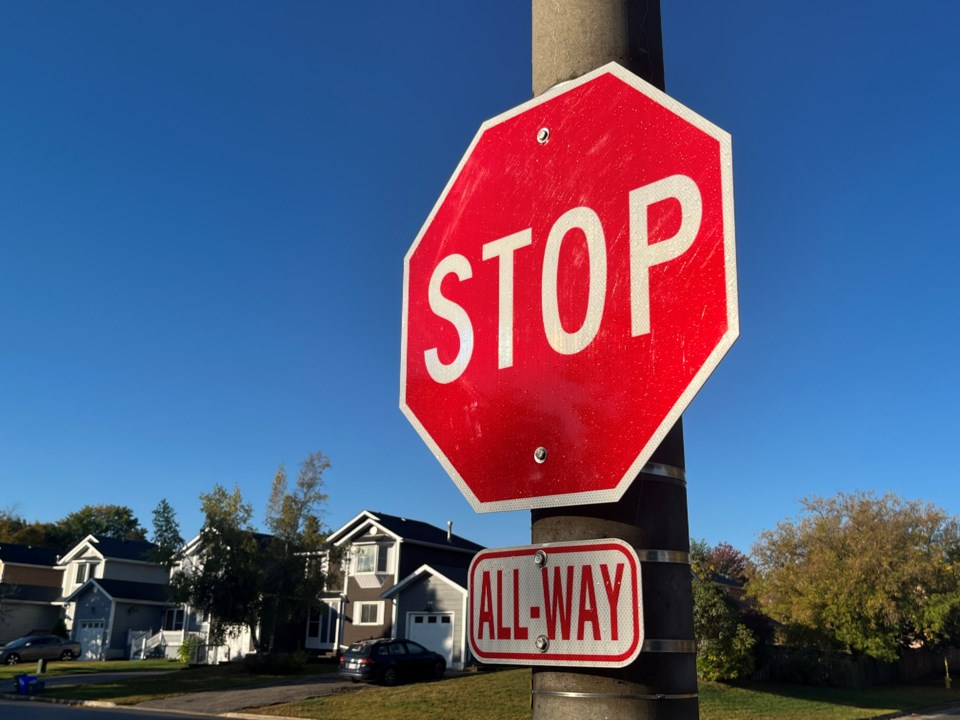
[571, 38]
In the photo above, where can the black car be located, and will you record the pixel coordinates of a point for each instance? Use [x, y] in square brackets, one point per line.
[390, 661]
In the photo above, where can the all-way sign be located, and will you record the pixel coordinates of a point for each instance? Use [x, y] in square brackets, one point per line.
[563, 604]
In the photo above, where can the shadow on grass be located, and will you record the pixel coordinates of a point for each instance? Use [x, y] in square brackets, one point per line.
[758, 699]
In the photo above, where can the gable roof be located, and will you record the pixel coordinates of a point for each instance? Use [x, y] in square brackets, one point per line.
[194, 546]
[455, 577]
[113, 549]
[405, 529]
[150, 593]
[27, 555]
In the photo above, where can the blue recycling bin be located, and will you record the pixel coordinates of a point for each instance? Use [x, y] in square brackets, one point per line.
[29, 684]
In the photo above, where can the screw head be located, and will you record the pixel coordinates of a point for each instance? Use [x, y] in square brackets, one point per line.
[542, 643]
[543, 134]
[540, 558]
[540, 455]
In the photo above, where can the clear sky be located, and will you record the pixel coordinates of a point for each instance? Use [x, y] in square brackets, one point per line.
[204, 209]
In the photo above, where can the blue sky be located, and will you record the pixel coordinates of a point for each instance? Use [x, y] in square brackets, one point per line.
[204, 209]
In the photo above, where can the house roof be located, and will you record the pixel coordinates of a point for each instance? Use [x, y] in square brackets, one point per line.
[127, 590]
[112, 548]
[453, 576]
[415, 531]
[27, 555]
[194, 546]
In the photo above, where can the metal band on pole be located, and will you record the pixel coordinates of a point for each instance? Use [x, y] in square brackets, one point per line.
[665, 473]
[669, 646]
[615, 696]
[663, 556]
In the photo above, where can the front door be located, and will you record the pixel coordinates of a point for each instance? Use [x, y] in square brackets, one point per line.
[322, 625]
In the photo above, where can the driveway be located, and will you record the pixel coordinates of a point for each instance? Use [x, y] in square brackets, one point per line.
[237, 699]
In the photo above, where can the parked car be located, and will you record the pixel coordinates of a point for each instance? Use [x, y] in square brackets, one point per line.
[38, 647]
[390, 661]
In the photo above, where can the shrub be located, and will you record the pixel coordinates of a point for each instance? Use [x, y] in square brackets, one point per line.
[188, 650]
[724, 644]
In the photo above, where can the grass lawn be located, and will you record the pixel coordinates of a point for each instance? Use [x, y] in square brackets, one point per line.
[798, 702]
[501, 695]
[55, 667]
[505, 695]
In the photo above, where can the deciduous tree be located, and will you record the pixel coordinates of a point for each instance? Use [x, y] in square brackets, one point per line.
[295, 569]
[113, 521]
[873, 575]
[226, 582]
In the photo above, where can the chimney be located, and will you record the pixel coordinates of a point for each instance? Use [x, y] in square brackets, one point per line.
[449, 530]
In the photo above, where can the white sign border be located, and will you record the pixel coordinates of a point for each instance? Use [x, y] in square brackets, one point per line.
[726, 341]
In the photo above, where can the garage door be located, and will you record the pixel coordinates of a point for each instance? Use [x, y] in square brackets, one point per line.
[90, 637]
[434, 631]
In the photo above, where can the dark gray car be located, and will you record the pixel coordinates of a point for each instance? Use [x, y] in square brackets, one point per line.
[38, 647]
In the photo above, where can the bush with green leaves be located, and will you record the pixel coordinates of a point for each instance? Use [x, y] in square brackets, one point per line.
[724, 644]
[189, 648]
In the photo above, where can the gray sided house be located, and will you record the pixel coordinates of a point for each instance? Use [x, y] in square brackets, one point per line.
[113, 590]
[30, 584]
[107, 613]
[432, 610]
[381, 551]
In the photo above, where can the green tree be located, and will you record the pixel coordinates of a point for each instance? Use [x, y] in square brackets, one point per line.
[871, 575]
[113, 521]
[226, 582]
[294, 568]
[724, 644]
[721, 559]
[166, 532]
[14, 529]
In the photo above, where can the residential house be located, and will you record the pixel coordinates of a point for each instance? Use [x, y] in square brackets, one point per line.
[30, 582]
[112, 590]
[402, 578]
[184, 621]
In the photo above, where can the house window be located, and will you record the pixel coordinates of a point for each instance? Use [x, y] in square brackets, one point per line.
[83, 573]
[368, 613]
[372, 558]
[173, 619]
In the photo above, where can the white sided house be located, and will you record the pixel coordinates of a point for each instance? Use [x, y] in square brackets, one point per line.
[182, 623]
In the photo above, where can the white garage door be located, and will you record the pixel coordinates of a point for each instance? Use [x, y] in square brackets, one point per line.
[434, 631]
[90, 637]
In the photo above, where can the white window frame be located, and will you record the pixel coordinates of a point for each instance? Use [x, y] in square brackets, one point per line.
[382, 558]
[85, 569]
[358, 607]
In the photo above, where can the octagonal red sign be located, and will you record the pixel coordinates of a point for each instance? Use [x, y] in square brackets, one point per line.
[570, 292]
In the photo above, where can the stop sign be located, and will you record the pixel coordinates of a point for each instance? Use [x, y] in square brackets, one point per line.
[570, 292]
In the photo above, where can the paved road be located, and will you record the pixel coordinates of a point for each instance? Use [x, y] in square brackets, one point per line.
[952, 712]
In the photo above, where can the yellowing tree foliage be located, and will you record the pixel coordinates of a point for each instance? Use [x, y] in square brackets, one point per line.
[872, 575]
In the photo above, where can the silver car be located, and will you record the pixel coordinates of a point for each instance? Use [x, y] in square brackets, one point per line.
[38, 647]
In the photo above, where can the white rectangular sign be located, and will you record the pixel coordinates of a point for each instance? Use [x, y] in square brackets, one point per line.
[564, 604]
